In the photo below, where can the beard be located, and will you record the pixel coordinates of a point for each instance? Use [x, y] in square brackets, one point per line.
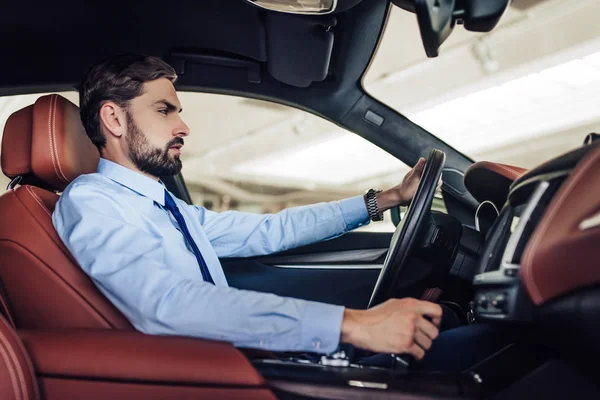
[151, 160]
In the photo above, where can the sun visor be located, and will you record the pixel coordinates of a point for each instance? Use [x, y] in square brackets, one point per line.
[299, 47]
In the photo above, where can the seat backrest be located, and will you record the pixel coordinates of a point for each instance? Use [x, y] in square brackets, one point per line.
[17, 378]
[45, 147]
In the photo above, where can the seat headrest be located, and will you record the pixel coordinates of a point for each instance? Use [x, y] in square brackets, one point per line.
[46, 144]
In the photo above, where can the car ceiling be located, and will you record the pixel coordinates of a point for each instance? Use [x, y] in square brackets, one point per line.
[60, 39]
[54, 44]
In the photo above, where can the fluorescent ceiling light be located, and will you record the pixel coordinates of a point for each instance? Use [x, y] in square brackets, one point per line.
[336, 161]
[553, 99]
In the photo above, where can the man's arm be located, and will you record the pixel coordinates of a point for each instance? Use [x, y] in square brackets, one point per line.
[238, 234]
[128, 265]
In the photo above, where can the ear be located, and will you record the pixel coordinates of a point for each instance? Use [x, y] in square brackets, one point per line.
[113, 118]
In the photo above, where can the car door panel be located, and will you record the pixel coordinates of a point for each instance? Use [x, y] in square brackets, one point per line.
[339, 271]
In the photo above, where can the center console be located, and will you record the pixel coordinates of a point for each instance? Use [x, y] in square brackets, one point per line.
[296, 380]
[539, 249]
[499, 293]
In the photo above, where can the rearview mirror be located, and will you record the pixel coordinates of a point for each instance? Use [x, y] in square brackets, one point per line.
[435, 23]
[437, 18]
[483, 15]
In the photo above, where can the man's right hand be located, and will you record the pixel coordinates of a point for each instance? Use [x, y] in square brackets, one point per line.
[397, 326]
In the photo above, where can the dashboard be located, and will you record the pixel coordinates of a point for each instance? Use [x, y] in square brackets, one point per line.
[544, 245]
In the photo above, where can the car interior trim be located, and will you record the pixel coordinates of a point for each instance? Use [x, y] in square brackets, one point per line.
[517, 236]
[332, 266]
[544, 270]
[515, 194]
[590, 223]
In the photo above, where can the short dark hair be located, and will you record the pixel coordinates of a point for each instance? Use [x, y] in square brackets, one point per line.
[119, 79]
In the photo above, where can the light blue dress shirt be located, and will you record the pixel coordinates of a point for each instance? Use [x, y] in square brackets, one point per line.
[115, 225]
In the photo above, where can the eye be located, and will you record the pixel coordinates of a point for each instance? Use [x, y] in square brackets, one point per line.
[163, 111]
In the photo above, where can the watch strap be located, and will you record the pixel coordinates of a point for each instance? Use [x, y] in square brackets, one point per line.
[372, 207]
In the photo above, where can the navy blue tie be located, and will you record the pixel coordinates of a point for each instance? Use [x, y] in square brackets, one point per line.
[171, 206]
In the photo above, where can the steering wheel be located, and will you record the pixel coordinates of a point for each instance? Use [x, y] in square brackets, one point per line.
[407, 235]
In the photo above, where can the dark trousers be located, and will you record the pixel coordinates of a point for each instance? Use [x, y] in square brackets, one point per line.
[454, 350]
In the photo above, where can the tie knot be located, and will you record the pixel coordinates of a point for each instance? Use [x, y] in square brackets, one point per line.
[169, 202]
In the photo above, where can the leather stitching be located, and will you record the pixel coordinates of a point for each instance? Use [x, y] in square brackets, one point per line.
[507, 169]
[4, 305]
[102, 318]
[12, 364]
[531, 253]
[434, 295]
[19, 370]
[11, 372]
[36, 393]
[39, 200]
[429, 294]
[9, 173]
[13, 173]
[60, 173]
[50, 134]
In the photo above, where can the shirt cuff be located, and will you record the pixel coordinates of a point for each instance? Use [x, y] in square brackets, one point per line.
[354, 212]
[321, 327]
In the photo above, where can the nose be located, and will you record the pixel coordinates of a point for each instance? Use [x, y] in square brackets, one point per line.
[182, 129]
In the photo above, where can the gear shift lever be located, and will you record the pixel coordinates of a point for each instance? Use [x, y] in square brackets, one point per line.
[402, 361]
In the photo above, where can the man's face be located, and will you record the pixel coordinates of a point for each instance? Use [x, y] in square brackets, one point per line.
[155, 130]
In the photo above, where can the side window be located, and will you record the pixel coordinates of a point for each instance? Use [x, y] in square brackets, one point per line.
[262, 157]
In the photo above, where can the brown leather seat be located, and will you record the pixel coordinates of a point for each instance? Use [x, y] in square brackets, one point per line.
[17, 379]
[111, 364]
[45, 147]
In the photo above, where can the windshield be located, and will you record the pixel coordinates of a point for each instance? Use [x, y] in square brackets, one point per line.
[521, 94]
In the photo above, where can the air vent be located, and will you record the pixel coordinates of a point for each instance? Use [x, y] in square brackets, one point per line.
[528, 221]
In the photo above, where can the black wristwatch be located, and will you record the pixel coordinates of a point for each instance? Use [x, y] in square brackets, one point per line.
[372, 208]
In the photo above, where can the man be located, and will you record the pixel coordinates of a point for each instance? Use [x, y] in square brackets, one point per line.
[156, 258]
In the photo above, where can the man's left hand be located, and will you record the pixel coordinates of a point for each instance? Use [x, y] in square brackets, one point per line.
[402, 194]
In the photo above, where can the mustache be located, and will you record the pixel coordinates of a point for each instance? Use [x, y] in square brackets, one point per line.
[175, 141]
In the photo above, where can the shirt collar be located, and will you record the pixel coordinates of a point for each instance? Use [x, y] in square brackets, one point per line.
[135, 181]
